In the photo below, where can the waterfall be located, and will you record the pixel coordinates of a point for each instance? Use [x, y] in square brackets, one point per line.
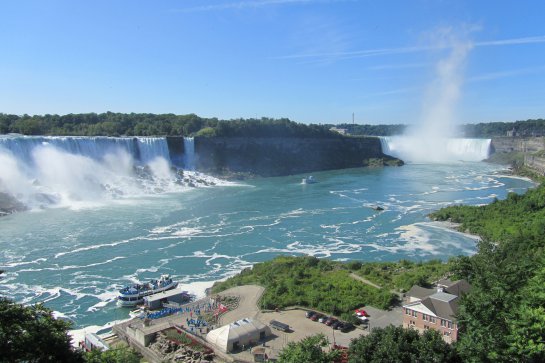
[189, 153]
[418, 150]
[142, 149]
[44, 170]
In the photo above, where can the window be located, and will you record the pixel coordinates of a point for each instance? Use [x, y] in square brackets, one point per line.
[432, 319]
[447, 334]
[450, 324]
[426, 327]
[443, 322]
[407, 311]
[412, 323]
[415, 314]
[424, 317]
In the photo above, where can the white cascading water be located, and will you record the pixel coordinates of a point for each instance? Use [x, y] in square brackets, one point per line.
[437, 150]
[78, 171]
[433, 137]
[189, 153]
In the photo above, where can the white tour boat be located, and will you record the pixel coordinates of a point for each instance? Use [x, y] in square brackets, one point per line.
[134, 294]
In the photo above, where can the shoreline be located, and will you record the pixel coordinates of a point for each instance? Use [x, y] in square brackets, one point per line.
[454, 227]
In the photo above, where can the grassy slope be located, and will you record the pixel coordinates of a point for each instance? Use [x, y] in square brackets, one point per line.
[307, 281]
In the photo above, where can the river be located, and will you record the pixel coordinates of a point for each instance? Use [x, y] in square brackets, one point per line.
[74, 257]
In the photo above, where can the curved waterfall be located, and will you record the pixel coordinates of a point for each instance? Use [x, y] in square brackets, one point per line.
[37, 171]
[412, 149]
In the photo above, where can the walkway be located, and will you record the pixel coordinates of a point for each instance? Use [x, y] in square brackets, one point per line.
[249, 296]
[365, 281]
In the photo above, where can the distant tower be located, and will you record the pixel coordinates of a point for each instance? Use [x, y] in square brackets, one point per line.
[352, 119]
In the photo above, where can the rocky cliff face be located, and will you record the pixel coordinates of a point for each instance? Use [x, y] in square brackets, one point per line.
[520, 144]
[531, 149]
[285, 156]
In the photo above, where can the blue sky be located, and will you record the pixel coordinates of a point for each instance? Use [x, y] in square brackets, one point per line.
[313, 61]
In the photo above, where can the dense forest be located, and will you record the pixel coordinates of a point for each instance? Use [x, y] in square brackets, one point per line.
[140, 124]
[371, 130]
[495, 129]
[147, 124]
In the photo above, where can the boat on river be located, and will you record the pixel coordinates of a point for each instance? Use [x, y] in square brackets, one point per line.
[308, 180]
[134, 294]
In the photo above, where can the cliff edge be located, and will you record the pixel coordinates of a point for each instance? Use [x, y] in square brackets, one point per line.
[266, 157]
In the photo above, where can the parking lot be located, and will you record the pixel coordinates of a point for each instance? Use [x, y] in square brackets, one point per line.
[300, 326]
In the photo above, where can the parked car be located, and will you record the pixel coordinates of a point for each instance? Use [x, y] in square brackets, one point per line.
[316, 316]
[361, 312]
[309, 314]
[363, 319]
[280, 326]
[337, 325]
[323, 319]
[330, 321]
[347, 327]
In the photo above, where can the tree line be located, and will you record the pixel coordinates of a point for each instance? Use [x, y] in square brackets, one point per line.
[147, 124]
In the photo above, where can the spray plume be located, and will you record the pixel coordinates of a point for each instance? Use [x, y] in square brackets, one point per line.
[431, 140]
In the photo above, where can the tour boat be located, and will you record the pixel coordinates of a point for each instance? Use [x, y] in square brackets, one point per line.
[308, 180]
[134, 294]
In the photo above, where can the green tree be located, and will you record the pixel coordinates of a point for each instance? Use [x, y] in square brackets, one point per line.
[31, 334]
[308, 350]
[117, 355]
[397, 344]
[527, 329]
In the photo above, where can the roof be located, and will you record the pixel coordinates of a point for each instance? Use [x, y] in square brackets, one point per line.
[458, 288]
[165, 294]
[442, 304]
[234, 332]
[419, 292]
[96, 341]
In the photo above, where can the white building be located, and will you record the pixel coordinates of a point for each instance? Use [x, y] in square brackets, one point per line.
[234, 336]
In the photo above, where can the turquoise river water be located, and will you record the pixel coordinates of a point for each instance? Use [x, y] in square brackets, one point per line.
[76, 258]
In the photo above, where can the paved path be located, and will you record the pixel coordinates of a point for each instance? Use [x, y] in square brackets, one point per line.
[249, 296]
[365, 281]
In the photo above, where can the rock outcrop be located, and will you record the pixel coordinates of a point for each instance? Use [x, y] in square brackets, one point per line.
[8, 204]
[173, 352]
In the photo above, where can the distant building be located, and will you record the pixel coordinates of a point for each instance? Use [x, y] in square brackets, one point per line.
[435, 308]
[512, 133]
[340, 131]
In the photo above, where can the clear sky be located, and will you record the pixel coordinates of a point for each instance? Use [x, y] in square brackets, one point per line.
[313, 61]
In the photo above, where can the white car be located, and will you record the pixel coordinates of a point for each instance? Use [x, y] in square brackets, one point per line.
[362, 318]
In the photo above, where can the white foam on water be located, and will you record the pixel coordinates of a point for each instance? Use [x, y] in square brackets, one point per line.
[187, 231]
[105, 299]
[23, 263]
[94, 247]
[71, 267]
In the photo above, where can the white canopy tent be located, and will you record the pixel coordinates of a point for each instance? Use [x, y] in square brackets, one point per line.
[233, 336]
